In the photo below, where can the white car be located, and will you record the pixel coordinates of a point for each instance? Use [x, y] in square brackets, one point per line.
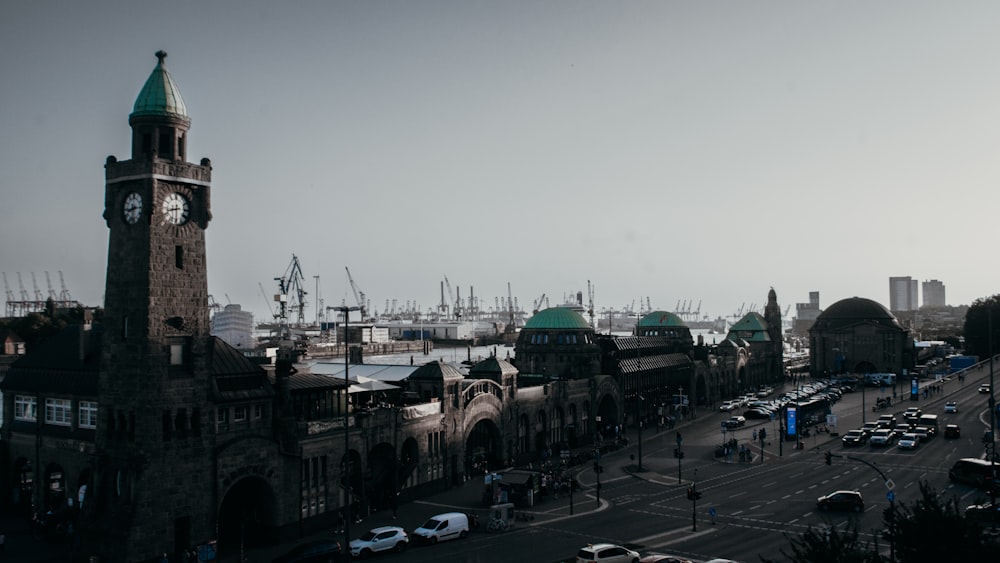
[951, 406]
[908, 441]
[386, 538]
[606, 553]
[728, 406]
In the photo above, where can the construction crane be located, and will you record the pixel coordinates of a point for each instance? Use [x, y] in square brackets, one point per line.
[510, 305]
[359, 296]
[590, 304]
[291, 284]
[267, 301]
[452, 298]
[52, 292]
[11, 300]
[213, 306]
[538, 305]
[64, 293]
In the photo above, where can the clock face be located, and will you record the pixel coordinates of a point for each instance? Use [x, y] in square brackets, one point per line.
[175, 209]
[133, 208]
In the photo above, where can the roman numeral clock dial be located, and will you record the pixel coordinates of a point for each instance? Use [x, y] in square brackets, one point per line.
[175, 209]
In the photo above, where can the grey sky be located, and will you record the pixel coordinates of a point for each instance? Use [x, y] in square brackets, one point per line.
[701, 151]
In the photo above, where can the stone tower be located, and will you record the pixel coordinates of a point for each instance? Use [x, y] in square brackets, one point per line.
[772, 314]
[154, 467]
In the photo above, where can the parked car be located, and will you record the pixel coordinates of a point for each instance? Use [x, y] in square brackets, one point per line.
[758, 413]
[727, 406]
[908, 441]
[735, 421]
[841, 500]
[447, 526]
[854, 438]
[606, 553]
[659, 558]
[952, 431]
[385, 538]
[319, 551]
[951, 406]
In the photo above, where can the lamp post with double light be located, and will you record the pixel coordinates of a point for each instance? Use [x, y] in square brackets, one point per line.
[347, 438]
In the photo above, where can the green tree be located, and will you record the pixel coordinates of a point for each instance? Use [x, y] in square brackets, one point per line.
[935, 529]
[829, 545]
[982, 327]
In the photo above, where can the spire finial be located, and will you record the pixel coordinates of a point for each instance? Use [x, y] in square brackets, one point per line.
[161, 54]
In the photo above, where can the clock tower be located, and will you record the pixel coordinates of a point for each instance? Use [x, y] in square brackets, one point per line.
[155, 378]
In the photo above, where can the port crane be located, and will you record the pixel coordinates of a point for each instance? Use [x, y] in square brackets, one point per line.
[538, 305]
[590, 304]
[359, 296]
[291, 283]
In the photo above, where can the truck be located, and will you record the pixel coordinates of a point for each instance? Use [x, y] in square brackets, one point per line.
[957, 363]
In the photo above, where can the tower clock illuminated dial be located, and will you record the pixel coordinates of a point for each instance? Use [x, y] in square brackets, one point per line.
[133, 208]
[175, 209]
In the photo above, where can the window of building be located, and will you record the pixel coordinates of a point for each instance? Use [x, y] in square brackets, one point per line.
[258, 411]
[59, 412]
[25, 408]
[176, 354]
[221, 415]
[179, 257]
[240, 414]
[88, 414]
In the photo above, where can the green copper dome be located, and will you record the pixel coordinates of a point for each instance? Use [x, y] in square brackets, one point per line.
[661, 318]
[556, 317]
[160, 95]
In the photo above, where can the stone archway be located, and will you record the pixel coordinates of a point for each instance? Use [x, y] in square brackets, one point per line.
[246, 515]
[483, 448]
[606, 419]
[382, 477]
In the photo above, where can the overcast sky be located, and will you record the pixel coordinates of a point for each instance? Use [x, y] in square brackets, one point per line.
[665, 151]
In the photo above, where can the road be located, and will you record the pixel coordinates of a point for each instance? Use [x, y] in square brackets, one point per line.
[757, 506]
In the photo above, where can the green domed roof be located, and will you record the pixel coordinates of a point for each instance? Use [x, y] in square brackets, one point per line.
[556, 317]
[160, 96]
[661, 318]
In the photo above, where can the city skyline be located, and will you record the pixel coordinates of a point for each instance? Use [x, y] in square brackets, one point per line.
[662, 152]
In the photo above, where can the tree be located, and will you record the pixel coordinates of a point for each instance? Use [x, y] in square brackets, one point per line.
[983, 313]
[828, 545]
[935, 529]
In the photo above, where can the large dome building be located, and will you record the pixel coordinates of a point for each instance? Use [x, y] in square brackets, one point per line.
[858, 335]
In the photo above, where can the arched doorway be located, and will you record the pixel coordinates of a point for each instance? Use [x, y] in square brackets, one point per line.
[383, 477]
[606, 418]
[24, 477]
[246, 515]
[483, 448]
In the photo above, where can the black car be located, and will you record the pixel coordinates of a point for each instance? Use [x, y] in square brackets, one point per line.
[319, 551]
[854, 438]
[841, 500]
[952, 431]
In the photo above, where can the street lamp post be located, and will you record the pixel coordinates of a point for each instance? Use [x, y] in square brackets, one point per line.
[347, 439]
[641, 404]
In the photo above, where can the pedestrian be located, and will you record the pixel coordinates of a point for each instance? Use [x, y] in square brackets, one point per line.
[3, 542]
[755, 435]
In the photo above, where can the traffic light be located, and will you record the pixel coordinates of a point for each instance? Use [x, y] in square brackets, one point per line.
[678, 453]
[829, 458]
[697, 495]
[598, 468]
[690, 493]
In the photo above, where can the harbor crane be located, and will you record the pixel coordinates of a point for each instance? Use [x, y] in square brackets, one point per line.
[291, 283]
[359, 295]
[590, 304]
[510, 305]
[538, 305]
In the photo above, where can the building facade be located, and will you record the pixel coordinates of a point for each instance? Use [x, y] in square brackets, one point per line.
[150, 435]
[903, 294]
[934, 295]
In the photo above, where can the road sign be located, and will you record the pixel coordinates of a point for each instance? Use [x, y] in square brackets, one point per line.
[711, 512]
[890, 485]
[891, 496]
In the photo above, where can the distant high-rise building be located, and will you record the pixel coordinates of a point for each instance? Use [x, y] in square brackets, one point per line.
[933, 293]
[903, 294]
[806, 313]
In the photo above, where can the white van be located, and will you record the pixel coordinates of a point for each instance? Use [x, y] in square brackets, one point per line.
[447, 526]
